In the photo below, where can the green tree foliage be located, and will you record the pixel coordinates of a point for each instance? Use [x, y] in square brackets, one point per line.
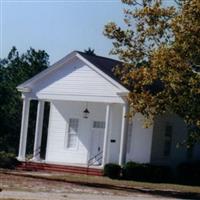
[160, 49]
[14, 70]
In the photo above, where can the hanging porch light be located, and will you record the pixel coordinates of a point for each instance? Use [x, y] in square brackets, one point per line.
[86, 112]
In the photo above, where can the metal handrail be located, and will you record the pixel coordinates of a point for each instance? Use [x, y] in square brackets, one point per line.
[95, 156]
[96, 160]
[37, 152]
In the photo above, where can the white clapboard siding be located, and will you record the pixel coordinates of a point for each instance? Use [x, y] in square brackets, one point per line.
[60, 113]
[115, 133]
[179, 133]
[140, 141]
[75, 78]
[57, 150]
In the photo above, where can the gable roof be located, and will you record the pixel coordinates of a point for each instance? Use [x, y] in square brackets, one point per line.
[104, 64]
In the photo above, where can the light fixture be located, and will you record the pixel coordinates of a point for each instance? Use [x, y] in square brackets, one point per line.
[86, 112]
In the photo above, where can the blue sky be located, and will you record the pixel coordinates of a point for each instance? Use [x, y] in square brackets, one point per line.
[57, 26]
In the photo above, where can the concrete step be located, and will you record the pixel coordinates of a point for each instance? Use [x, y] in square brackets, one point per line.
[33, 166]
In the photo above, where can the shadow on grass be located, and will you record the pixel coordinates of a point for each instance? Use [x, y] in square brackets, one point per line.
[174, 194]
[157, 192]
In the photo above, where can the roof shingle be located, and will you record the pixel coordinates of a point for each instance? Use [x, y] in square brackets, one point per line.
[106, 65]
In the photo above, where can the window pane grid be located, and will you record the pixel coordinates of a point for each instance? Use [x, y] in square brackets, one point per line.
[72, 141]
[73, 125]
[168, 140]
[72, 133]
[98, 124]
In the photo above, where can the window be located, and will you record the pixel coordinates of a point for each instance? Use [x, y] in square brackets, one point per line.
[168, 140]
[98, 124]
[72, 133]
[130, 125]
[190, 152]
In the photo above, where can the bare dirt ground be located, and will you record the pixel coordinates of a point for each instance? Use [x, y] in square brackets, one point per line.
[25, 188]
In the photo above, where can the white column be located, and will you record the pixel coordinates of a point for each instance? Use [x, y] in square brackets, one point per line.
[38, 131]
[24, 129]
[106, 131]
[122, 151]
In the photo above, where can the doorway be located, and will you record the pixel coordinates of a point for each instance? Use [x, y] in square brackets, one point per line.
[97, 142]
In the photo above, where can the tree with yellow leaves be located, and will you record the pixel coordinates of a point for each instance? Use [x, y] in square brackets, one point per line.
[160, 50]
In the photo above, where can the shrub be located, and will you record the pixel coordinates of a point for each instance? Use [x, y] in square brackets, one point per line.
[146, 172]
[132, 170]
[8, 160]
[160, 173]
[112, 170]
[189, 172]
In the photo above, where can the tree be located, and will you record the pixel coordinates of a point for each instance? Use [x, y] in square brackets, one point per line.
[160, 49]
[90, 51]
[14, 70]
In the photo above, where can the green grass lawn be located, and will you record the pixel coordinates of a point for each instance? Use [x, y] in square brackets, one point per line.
[97, 181]
[162, 189]
[128, 184]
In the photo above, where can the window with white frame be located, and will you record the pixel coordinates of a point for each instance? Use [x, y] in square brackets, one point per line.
[130, 125]
[98, 124]
[72, 133]
[167, 140]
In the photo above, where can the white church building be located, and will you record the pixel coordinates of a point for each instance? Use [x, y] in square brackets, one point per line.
[87, 121]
